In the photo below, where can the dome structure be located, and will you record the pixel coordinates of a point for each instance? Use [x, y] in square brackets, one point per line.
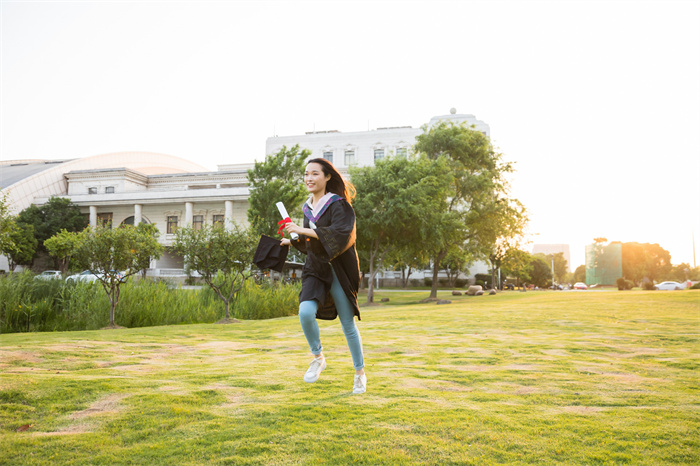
[25, 180]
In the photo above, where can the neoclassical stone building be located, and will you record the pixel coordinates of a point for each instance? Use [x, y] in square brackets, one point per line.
[133, 187]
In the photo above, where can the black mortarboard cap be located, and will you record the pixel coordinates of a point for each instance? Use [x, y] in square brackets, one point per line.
[270, 254]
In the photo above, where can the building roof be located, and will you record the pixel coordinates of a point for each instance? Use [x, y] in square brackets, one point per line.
[24, 181]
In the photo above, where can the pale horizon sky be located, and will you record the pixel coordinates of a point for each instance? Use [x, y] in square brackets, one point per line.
[597, 102]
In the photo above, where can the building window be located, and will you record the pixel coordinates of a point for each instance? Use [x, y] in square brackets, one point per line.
[328, 155]
[92, 190]
[218, 220]
[197, 222]
[105, 220]
[378, 154]
[401, 151]
[172, 224]
[109, 190]
[349, 157]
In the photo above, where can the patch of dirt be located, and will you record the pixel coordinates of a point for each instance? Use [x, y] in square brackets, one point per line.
[107, 404]
[229, 321]
[23, 356]
[582, 409]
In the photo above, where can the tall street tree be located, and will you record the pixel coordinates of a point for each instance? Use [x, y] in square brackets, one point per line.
[477, 186]
[280, 178]
[393, 197]
[222, 256]
[114, 255]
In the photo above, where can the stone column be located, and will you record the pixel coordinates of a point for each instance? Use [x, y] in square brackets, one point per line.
[189, 206]
[228, 214]
[137, 214]
[93, 216]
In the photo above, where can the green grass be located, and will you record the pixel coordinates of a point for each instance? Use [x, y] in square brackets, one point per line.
[517, 378]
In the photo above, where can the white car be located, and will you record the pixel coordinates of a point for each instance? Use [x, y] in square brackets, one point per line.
[49, 275]
[84, 276]
[669, 286]
[580, 286]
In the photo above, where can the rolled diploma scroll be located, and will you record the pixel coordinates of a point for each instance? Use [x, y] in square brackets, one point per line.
[284, 214]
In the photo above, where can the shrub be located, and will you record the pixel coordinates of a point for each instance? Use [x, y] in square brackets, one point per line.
[648, 285]
[623, 284]
[696, 286]
[460, 282]
[428, 281]
[266, 301]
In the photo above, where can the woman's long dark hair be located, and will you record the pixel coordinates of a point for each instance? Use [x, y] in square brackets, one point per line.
[337, 184]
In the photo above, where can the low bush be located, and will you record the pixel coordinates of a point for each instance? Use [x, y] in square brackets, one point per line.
[29, 305]
[696, 286]
[623, 284]
[266, 301]
[648, 285]
[428, 281]
[460, 282]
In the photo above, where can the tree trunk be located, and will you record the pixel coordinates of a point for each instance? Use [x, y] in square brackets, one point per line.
[372, 273]
[436, 269]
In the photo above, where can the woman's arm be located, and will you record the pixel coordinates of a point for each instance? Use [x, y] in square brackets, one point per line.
[294, 228]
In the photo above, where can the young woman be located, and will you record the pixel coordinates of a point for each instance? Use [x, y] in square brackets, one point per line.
[331, 274]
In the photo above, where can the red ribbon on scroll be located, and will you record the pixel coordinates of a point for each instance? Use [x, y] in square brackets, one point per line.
[282, 223]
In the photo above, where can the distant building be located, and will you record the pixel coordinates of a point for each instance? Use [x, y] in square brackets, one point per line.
[603, 264]
[134, 187]
[362, 148]
[547, 249]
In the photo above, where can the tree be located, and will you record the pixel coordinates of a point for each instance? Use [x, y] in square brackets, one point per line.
[644, 260]
[456, 261]
[222, 256]
[280, 178]
[7, 226]
[508, 221]
[541, 274]
[517, 264]
[477, 186]
[62, 246]
[114, 255]
[392, 199]
[57, 214]
[580, 274]
[24, 246]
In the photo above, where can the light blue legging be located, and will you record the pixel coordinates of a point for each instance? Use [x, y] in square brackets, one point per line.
[307, 316]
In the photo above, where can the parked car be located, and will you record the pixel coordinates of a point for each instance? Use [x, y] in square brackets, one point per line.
[580, 286]
[669, 286]
[49, 275]
[84, 276]
[87, 276]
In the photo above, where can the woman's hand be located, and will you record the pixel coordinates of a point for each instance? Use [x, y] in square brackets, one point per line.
[292, 227]
[285, 242]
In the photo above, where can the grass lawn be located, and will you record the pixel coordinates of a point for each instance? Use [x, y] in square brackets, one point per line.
[518, 378]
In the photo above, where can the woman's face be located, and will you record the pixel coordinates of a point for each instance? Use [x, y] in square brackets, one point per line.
[315, 179]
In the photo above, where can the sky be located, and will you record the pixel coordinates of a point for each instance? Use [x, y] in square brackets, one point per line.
[596, 102]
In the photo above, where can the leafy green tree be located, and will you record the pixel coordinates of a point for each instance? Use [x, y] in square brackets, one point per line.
[644, 260]
[517, 264]
[507, 222]
[280, 178]
[222, 256]
[114, 255]
[62, 246]
[456, 262]
[57, 214]
[24, 246]
[580, 274]
[477, 188]
[7, 226]
[392, 199]
[541, 272]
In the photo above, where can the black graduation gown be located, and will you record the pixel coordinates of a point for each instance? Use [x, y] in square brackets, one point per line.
[335, 247]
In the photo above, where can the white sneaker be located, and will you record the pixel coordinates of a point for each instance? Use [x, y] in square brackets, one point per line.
[360, 385]
[315, 368]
